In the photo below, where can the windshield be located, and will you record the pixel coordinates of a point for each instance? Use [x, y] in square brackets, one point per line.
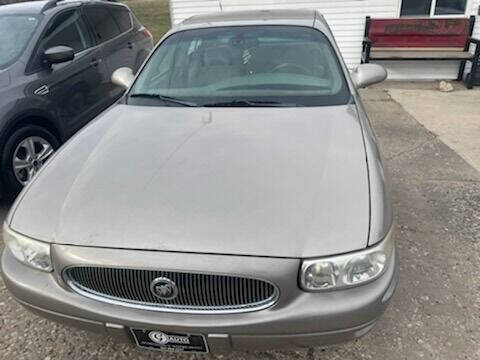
[243, 66]
[16, 31]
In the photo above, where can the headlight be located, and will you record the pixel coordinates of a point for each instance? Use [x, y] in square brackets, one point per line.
[348, 270]
[33, 253]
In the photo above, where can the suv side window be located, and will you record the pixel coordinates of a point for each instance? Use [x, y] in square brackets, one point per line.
[67, 29]
[104, 26]
[122, 18]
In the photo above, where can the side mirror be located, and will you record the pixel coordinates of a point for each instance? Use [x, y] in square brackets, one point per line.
[58, 55]
[123, 77]
[368, 74]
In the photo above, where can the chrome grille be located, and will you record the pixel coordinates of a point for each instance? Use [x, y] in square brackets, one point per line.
[197, 293]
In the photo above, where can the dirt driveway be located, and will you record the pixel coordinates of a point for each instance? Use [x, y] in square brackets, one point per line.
[435, 313]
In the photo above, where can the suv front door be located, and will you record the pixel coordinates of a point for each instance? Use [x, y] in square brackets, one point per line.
[76, 88]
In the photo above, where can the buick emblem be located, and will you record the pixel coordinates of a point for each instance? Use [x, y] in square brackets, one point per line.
[164, 288]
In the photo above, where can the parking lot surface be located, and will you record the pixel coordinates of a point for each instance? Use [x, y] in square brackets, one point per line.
[435, 313]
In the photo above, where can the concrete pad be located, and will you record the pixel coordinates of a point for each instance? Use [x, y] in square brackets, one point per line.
[454, 117]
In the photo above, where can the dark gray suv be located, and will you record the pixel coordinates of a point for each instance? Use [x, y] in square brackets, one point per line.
[56, 62]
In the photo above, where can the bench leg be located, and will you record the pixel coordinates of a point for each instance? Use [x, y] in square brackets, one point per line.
[366, 48]
[367, 53]
[475, 65]
[461, 71]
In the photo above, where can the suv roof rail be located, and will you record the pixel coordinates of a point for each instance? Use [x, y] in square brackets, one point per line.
[52, 3]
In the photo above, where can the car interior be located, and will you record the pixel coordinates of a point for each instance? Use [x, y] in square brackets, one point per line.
[284, 64]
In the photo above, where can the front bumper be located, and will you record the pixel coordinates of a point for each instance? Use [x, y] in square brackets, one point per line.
[298, 319]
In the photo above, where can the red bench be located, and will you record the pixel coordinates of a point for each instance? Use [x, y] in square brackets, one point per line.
[422, 39]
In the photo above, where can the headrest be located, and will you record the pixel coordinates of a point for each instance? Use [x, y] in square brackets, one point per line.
[217, 56]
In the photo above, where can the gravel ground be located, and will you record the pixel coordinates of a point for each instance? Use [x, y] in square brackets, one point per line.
[435, 313]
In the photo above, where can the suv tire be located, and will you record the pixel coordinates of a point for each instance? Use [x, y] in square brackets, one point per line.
[17, 147]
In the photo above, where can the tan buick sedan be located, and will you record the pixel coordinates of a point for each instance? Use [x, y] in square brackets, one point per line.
[234, 198]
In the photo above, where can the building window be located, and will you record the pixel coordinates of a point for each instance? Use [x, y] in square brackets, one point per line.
[447, 7]
[433, 7]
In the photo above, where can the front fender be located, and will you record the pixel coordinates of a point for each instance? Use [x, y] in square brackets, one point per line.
[17, 111]
[381, 209]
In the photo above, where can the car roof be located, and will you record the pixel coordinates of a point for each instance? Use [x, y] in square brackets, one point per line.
[29, 7]
[39, 7]
[303, 17]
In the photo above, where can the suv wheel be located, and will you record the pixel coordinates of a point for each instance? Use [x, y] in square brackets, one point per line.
[25, 152]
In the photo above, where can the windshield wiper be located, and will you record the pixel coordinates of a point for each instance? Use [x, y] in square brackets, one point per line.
[165, 98]
[250, 103]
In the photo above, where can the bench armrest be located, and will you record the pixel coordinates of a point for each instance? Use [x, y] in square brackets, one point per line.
[366, 40]
[474, 41]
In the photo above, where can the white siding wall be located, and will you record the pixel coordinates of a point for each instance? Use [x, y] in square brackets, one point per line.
[475, 6]
[475, 10]
[345, 17]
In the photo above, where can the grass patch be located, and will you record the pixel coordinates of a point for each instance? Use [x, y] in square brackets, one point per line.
[153, 14]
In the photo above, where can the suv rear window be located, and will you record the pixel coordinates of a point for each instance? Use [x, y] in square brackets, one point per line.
[104, 25]
[122, 18]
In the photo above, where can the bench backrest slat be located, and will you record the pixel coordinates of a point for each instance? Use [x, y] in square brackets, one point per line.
[424, 33]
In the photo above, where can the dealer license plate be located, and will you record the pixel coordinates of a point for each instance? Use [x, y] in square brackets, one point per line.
[169, 341]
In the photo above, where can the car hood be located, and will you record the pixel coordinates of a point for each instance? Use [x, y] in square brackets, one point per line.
[280, 182]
